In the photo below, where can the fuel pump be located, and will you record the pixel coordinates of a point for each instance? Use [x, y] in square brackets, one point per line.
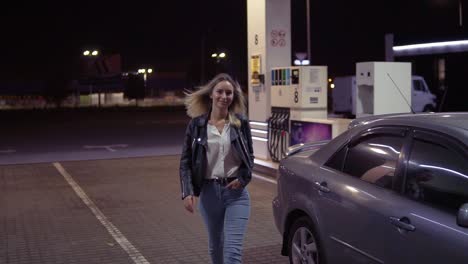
[296, 93]
[278, 133]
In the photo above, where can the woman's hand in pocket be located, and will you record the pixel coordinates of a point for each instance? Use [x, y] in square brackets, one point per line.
[189, 203]
[235, 184]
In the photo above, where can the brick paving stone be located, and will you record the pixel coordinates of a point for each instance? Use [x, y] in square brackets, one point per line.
[44, 221]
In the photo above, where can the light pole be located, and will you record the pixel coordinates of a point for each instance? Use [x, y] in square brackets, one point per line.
[145, 71]
[308, 28]
[220, 61]
[89, 54]
[460, 13]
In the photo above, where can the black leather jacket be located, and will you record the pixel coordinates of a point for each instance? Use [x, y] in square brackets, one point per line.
[193, 161]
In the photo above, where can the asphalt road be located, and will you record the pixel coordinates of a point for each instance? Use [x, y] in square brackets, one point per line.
[87, 134]
[64, 203]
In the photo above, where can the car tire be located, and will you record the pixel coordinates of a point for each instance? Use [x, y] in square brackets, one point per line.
[303, 243]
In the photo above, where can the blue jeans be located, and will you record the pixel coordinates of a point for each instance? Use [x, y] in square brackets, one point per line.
[225, 213]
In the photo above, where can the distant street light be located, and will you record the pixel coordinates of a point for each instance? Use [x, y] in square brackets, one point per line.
[91, 56]
[90, 53]
[145, 72]
[301, 62]
[301, 59]
[218, 56]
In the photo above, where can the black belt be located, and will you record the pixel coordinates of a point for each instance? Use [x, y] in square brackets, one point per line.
[222, 181]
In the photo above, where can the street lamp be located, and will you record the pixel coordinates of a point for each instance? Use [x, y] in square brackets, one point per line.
[91, 56]
[218, 56]
[146, 71]
[90, 53]
[301, 62]
[301, 59]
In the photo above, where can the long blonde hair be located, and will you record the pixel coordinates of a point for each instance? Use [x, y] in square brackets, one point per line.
[199, 102]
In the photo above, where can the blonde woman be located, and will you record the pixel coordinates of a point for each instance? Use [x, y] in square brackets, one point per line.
[216, 165]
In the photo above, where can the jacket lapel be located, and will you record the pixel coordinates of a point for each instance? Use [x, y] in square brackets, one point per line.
[236, 141]
[233, 133]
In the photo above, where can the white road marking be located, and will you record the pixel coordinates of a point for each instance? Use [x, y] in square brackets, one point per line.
[131, 250]
[108, 147]
[264, 178]
[7, 151]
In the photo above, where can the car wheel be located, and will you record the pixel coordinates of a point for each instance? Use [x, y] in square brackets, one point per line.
[303, 243]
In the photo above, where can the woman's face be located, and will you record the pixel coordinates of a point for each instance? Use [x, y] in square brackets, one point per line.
[222, 95]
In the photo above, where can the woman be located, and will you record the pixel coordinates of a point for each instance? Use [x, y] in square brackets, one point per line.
[216, 165]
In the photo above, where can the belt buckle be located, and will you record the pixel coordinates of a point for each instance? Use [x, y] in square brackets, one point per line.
[221, 180]
[224, 181]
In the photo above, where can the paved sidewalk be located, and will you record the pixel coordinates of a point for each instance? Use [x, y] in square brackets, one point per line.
[44, 221]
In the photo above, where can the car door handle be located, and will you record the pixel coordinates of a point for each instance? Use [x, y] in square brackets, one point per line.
[403, 223]
[322, 187]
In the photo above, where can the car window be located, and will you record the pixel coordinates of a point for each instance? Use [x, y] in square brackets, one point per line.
[374, 159]
[336, 161]
[417, 85]
[437, 175]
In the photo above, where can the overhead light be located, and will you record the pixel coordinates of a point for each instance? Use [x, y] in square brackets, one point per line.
[431, 48]
[214, 55]
[222, 55]
[301, 62]
[86, 52]
[95, 53]
[432, 45]
[150, 70]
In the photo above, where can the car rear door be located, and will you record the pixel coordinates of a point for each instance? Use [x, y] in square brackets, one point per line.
[434, 187]
[355, 211]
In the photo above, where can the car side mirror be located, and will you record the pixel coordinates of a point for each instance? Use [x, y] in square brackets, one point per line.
[462, 216]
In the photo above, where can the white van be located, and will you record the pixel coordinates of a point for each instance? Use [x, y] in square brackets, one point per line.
[422, 100]
[344, 100]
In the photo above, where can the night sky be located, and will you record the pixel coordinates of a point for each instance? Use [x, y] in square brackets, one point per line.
[47, 37]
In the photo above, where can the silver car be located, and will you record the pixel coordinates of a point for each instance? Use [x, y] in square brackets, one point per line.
[391, 189]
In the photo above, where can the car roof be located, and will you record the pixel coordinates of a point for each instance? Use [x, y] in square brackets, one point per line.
[455, 123]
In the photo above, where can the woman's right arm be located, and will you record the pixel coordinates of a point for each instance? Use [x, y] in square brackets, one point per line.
[185, 168]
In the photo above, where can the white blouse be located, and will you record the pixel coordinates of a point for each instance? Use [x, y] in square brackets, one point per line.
[222, 160]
